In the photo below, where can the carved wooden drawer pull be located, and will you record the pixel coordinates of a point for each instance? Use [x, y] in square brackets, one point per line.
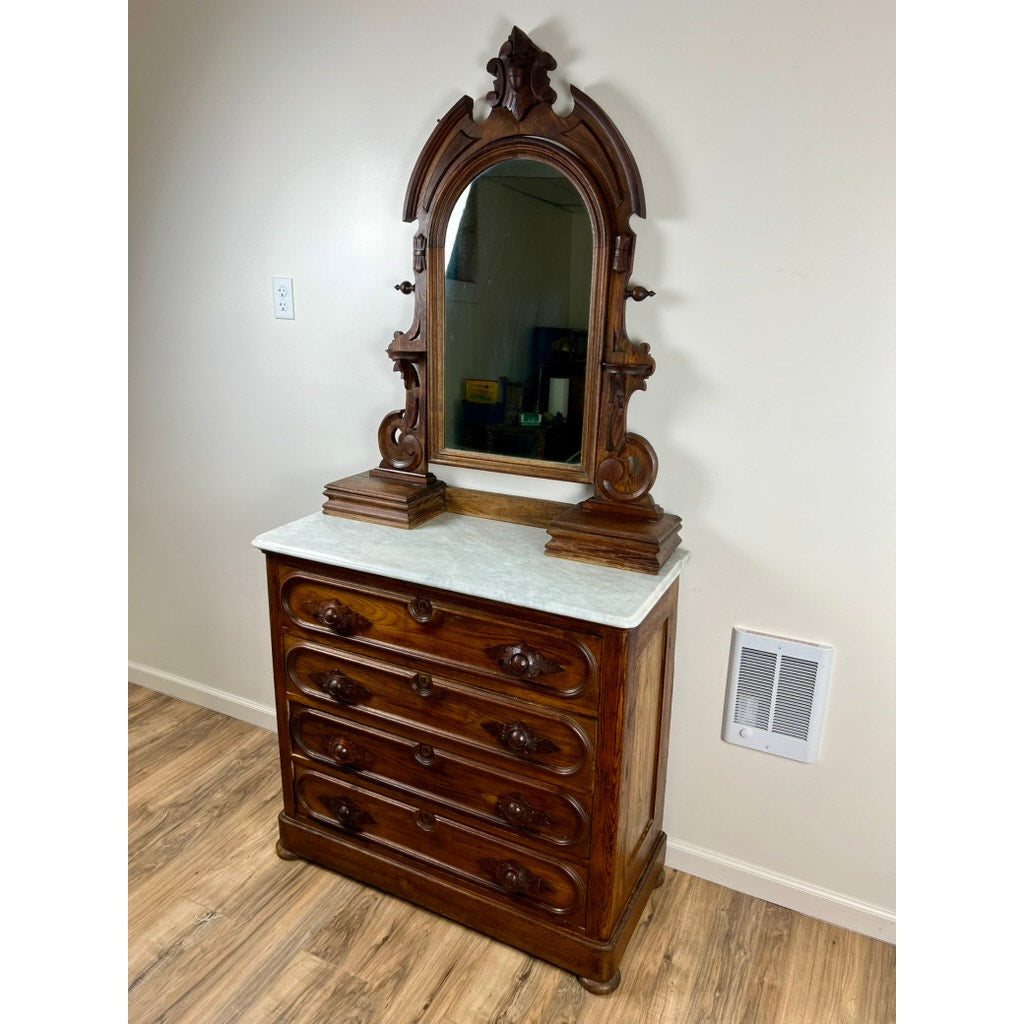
[519, 812]
[349, 753]
[638, 293]
[337, 617]
[522, 660]
[514, 877]
[520, 738]
[340, 687]
[349, 815]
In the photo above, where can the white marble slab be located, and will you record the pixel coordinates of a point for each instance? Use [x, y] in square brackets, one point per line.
[481, 558]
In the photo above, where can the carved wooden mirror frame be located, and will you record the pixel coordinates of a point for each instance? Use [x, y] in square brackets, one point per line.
[619, 524]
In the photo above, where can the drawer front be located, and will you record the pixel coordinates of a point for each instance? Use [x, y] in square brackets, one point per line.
[397, 824]
[545, 817]
[500, 649]
[506, 732]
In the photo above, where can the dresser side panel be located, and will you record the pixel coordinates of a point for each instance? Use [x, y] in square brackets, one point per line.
[632, 758]
[280, 680]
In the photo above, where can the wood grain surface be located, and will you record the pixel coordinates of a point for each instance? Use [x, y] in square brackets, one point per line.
[506, 508]
[222, 931]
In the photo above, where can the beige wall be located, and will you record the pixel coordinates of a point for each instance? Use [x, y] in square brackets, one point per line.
[276, 139]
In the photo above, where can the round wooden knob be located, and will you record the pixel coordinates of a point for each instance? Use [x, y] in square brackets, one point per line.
[336, 685]
[423, 684]
[519, 664]
[340, 688]
[420, 609]
[518, 737]
[520, 813]
[512, 810]
[426, 821]
[511, 879]
[337, 617]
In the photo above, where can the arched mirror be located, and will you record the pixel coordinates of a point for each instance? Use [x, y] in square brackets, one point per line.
[518, 259]
[517, 359]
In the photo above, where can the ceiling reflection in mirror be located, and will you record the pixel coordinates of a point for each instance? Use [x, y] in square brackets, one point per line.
[518, 262]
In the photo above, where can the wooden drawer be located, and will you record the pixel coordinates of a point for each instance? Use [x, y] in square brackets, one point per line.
[507, 733]
[394, 823]
[537, 815]
[495, 646]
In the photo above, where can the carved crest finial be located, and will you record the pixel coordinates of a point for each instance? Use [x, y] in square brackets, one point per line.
[520, 75]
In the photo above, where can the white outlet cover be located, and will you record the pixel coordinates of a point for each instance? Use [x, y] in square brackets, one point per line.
[284, 305]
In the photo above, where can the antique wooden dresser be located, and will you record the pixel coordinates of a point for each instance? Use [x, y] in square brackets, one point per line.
[473, 708]
[475, 727]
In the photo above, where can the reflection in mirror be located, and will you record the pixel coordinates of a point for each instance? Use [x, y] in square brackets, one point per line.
[518, 258]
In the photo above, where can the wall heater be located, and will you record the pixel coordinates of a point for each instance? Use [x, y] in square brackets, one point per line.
[775, 700]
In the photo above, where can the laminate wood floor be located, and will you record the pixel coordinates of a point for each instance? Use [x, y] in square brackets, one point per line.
[223, 931]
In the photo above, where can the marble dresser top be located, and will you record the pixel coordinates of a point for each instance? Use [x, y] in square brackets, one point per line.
[481, 558]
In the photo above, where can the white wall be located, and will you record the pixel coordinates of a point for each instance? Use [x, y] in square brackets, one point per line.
[271, 139]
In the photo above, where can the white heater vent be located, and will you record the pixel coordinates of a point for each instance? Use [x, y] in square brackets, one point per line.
[776, 695]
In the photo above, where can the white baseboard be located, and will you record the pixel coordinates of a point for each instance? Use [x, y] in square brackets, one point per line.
[822, 904]
[228, 704]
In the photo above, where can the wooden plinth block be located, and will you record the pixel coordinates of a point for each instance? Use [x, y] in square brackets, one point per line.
[380, 496]
[601, 533]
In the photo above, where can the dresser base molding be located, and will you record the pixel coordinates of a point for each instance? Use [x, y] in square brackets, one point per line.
[595, 963]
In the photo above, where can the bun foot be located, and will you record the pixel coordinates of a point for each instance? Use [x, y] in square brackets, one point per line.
[285, 854]
[600, 988]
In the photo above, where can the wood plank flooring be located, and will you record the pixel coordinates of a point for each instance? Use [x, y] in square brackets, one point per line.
[221, 931]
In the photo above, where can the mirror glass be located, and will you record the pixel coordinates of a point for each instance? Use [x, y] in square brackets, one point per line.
[518, 262]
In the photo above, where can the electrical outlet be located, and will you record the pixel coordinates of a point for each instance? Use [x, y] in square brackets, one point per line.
[284, 307]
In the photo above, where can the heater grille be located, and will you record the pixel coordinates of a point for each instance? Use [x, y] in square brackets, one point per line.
[776, 694]
[754, 688]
